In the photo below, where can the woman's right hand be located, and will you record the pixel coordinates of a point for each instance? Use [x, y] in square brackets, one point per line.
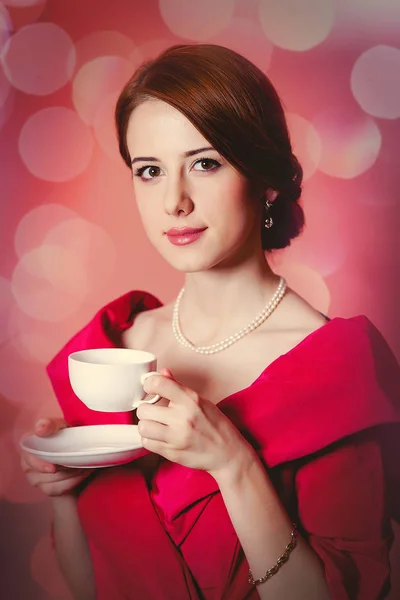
[53, 480]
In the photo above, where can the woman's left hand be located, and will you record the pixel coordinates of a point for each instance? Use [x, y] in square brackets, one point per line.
[191, 430]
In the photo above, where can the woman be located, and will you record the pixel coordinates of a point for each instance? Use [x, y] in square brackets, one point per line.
[267, 474]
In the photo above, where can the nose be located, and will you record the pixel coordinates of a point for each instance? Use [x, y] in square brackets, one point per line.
[177, 198]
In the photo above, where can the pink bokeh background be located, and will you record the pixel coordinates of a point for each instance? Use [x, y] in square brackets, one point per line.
[71, 239]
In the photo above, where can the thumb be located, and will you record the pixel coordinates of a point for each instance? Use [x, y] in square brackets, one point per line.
[45, 427]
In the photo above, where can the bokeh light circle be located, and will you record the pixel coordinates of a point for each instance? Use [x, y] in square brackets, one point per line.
[103, 43]
[306, 143]
[375, 81]
[92, 247]
[62, 259]
[49, 283]
[38, 341]
[246, 37]
[36, 223]
[350, 142]
[197, 21]
[96, 81]
[26, 15]
[39, 59]
[53, 264]
[295, 25]
[65, 148]
[35, 346]
[367, 16]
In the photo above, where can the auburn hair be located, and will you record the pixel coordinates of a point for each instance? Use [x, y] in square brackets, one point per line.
[237, 109]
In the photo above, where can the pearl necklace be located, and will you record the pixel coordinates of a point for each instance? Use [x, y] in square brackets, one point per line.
[227, 342]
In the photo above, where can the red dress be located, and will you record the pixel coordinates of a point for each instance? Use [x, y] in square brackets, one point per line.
[324, 419]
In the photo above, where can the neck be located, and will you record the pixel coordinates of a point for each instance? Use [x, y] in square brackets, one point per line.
[221, 300]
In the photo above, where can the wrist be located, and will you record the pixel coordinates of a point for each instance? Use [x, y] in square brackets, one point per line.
[232, 473]
[63, 502]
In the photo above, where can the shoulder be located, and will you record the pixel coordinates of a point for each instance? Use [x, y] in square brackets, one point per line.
[349, 360]
[106, 328]
[351, 340]
[146, 326]
[296, 313]
[341, 379]
[123, 309]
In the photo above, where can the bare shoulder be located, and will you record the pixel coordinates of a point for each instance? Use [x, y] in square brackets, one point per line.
[146, 325]
[298, 314]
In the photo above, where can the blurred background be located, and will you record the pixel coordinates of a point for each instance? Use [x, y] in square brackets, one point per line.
[71, 239]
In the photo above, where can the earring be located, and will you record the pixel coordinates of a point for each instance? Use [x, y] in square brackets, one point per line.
[268, 221]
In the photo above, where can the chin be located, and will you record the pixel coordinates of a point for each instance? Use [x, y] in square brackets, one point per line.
[189, 265]
[192, 262]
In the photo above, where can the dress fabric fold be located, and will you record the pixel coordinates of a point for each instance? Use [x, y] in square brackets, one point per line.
[324, 419]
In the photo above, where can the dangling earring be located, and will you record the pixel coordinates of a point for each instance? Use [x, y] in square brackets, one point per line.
[268, 221]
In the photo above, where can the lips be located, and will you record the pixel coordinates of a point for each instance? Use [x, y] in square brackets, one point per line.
[182, 236]
[179, 231]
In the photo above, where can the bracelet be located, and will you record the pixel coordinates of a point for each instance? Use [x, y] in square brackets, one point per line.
[281, 561]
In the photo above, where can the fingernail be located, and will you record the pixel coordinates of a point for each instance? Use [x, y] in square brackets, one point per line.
[49, 469]
[42, 423]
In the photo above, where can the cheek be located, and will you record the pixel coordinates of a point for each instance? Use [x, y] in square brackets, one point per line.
[234, 202]
[145, 202]
[150, 223]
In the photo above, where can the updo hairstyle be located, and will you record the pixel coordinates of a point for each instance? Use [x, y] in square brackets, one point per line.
[236, 108]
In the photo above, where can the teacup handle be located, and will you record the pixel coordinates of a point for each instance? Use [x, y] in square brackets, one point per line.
[151, 400]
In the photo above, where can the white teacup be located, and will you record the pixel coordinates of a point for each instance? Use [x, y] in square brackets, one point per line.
[111, 379]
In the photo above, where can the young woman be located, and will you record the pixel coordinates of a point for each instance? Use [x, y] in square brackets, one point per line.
[269, 471]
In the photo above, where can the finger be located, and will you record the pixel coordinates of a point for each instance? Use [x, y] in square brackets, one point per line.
[155, 412]
[45, 427]
[58, 488]
[168, 388]
[30, 462]
[146, 402]
[37, 479]
[156, 446]
[153, 430]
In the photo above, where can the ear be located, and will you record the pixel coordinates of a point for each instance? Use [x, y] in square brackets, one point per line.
[271, 195]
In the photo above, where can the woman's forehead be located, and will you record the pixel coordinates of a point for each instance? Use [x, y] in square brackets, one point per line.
[155, 123]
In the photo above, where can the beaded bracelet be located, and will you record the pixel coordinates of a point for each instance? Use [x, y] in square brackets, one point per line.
[281, 561]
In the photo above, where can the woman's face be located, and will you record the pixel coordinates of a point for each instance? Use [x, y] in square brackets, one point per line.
[182, 184]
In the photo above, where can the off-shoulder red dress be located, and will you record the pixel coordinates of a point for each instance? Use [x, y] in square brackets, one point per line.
[324, 419]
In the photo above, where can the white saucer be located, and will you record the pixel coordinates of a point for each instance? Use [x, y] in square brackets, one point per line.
[89, 446]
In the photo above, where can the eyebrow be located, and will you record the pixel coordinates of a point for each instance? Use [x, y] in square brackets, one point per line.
[185, 155]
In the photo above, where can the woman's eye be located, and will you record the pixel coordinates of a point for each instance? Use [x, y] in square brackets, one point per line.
[207, 164]
[148, 172]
